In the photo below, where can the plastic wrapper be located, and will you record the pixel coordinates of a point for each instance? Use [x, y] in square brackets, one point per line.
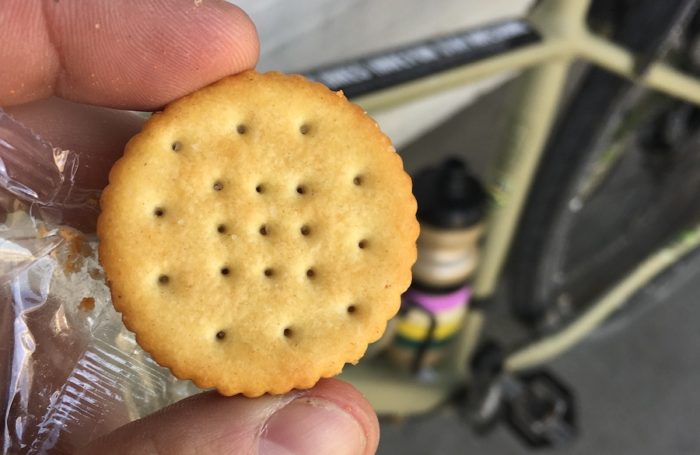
[69, 370]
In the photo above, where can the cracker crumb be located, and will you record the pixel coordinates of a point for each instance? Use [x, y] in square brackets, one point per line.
[96, 274]
[41, 230]
[78, 249]
[92, 202]
[87, 304]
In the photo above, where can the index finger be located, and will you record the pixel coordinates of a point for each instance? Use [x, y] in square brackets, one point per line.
[129, 55]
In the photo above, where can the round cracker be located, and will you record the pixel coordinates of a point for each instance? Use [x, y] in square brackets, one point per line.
[257, 234]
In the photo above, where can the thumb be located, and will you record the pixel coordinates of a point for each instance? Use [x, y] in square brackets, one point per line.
[331, 418]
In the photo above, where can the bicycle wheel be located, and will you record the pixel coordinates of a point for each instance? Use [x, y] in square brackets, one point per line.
[620, 175]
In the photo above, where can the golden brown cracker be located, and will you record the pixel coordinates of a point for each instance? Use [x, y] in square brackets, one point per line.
[257, 234]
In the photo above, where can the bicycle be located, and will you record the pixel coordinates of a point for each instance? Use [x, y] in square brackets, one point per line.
[561, 166]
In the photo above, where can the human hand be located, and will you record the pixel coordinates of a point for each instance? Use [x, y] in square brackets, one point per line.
[67, 68]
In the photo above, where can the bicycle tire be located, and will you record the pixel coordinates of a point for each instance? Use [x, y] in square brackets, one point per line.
[551, 277]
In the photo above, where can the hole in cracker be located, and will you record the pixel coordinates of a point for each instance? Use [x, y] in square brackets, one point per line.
[241, 129]
[176, 146]
[263, 230]
[218, 185]
[301, 189]
[225, 271]
[287, 332]
[221, 229]
[351, 309]
[163, 279]
[362, 244]
[260, 189]
[159, 212]
[310, 273]
[220, 335]
[304, 129]
[358, 180]
[269, 272]
[305, 230]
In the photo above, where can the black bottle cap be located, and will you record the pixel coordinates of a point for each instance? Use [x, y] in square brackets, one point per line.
[449, 196]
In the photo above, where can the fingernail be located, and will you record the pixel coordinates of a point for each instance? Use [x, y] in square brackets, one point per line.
[312, 426]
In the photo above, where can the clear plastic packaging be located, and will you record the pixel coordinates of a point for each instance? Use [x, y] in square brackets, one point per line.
[69, 370]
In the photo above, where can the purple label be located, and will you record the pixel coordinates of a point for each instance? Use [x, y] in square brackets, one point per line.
[436, 303]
